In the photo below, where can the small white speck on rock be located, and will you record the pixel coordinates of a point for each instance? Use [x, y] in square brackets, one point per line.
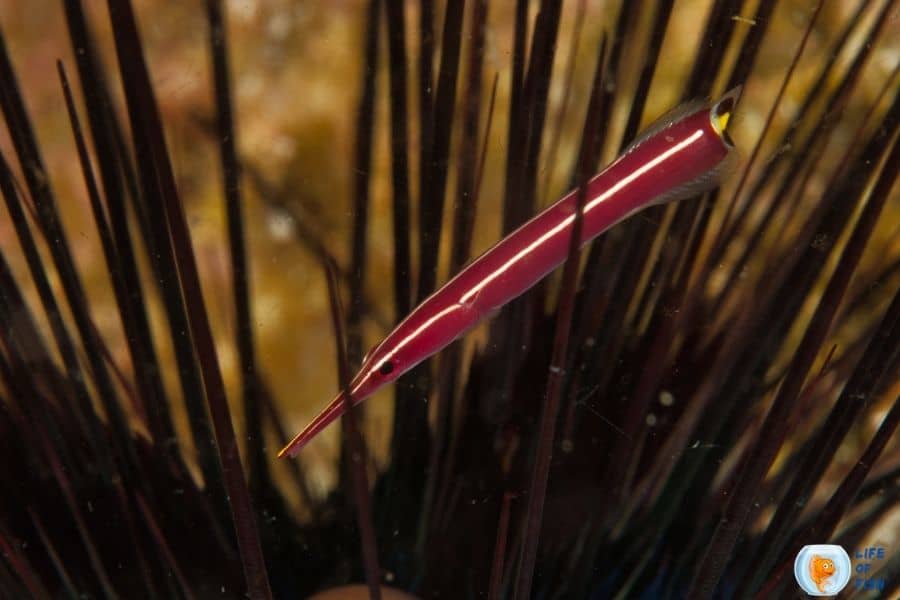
[666, 398]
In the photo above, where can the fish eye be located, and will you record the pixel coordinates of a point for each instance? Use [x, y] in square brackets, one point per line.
[386, 368]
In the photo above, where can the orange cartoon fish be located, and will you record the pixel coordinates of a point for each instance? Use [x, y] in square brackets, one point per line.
[820, 569]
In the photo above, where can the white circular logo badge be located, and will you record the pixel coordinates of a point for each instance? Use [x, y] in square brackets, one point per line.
[822, 569]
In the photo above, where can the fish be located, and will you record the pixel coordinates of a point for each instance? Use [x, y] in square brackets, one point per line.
[820, 569]
[684, 153]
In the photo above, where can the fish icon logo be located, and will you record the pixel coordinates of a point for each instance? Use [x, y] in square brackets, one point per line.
[822, 569]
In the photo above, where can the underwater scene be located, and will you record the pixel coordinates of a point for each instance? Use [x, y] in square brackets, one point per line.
[417, 299]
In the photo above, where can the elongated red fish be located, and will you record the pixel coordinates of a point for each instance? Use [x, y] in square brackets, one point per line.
[681, 155]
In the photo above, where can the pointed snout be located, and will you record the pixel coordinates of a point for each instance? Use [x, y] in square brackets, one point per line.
[332, 412]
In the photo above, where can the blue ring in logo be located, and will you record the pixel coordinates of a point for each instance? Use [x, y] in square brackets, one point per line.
[822, 569]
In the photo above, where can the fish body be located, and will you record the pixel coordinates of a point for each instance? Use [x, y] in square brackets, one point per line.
[820, 570]
[681, 155]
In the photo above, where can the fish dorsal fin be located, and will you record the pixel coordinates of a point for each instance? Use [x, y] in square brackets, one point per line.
[700, 184]
[666, 121]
